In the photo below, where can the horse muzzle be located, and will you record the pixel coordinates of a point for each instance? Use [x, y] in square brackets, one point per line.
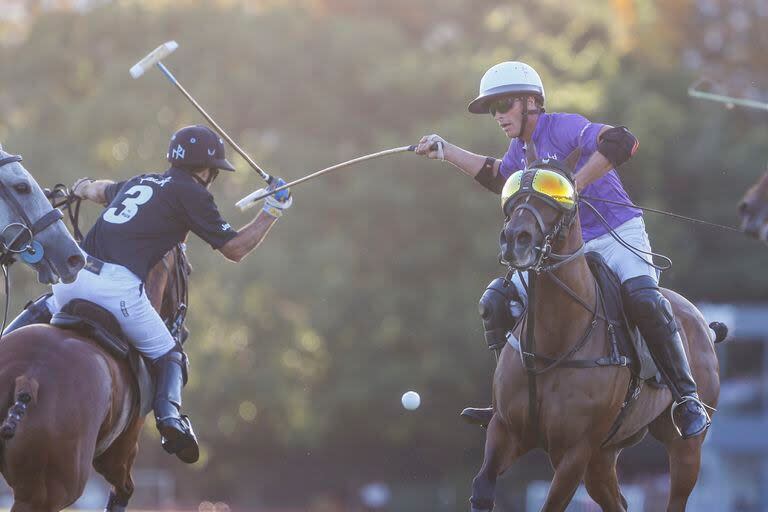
[755, 226]
[518, 248]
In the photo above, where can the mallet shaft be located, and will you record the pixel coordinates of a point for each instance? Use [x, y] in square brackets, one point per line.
[215, 125]
[247, 200]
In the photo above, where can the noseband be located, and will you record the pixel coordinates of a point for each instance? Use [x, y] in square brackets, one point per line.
[32, 252]
[564, 221]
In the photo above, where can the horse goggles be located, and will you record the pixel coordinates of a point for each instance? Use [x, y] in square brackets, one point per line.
[550, 185]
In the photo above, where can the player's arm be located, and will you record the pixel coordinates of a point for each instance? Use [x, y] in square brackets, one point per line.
[248, 237]
[614, 147]
[483, 169]
[93, 190]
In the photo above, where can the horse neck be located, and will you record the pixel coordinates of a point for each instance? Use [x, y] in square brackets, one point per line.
[558, 316]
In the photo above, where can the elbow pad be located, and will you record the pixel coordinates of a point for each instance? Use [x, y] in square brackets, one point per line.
[487, 179]
[617, 145]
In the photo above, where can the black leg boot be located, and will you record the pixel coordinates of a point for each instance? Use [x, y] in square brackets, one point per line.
[175, 429]
[35, 312]
[652, 313]
[500, 308]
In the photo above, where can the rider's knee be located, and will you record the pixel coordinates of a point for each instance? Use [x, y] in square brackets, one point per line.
[175, 356]
[494, 309]
[646, 305]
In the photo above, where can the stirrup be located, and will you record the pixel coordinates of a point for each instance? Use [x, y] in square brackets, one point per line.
[689, 398]
[179, 439]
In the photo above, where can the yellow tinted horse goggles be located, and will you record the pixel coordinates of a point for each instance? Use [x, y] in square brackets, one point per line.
[551, 185]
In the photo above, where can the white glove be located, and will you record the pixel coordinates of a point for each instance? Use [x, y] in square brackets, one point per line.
[276, 203]
[433, 146]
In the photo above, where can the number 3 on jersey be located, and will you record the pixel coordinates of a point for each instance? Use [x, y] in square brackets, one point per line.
[129, 207]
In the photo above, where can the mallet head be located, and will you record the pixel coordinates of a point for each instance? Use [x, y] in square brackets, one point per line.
[153, 58]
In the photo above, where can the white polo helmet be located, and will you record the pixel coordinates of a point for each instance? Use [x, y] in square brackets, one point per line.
[507, 78]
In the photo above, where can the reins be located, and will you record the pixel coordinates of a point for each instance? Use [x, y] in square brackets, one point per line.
[32, 252]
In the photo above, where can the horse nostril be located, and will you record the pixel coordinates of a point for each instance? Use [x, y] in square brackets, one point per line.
[76, 261]
[523, 238]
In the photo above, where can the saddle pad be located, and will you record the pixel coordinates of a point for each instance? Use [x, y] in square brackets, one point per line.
[98, 324]
[629, 340]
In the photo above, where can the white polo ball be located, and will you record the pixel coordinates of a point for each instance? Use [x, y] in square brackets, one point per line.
[411, 400]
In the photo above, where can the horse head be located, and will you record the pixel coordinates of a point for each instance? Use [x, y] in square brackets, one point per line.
[31, 229]
[753, 210]
[540, 206]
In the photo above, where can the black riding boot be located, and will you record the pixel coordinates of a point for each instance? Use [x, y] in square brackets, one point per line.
[175, 429]
[652, 313]
[500, 308]
[35, 312]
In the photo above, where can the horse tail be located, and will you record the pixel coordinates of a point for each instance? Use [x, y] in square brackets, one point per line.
[721, 331]
[25, 394]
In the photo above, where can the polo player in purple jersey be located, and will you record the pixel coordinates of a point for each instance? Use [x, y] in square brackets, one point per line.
[512, 92]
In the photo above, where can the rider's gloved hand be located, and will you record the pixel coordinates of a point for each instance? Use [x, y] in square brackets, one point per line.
[79, 186]
[433, 146]
[275, 204]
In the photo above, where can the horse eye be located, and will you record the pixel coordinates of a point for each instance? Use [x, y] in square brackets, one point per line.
[22, 188]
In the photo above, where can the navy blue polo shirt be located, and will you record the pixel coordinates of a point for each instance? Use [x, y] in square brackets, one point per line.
[149, 214]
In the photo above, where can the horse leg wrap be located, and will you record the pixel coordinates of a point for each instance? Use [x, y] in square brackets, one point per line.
[115, 504]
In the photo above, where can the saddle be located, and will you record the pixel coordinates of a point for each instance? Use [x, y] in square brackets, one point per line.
[629, 340]
[98, 324]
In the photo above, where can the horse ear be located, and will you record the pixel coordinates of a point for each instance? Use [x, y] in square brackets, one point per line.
[572, 159]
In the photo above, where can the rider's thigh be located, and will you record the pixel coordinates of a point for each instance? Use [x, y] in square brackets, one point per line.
[625, 263]
[146, 330]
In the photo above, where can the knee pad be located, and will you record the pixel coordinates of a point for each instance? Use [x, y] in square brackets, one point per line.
[647, 307]
[174, 356]
[495, 312]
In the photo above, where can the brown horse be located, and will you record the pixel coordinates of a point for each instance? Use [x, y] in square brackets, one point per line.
[753, 210]
[577, 407]
[72, 405]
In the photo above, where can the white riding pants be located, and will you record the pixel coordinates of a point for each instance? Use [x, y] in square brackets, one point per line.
[621, 260]
[119, 291]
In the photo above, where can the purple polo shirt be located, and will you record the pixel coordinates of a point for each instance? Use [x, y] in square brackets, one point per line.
[556, 136]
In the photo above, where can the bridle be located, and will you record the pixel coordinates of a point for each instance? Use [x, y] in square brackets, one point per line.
[32, 251]
[558, 231]
[22, 243]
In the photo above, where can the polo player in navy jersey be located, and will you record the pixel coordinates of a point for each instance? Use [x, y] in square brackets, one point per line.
[146, 216]
[512, 92]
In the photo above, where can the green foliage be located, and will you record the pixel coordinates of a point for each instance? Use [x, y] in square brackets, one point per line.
[368, 286]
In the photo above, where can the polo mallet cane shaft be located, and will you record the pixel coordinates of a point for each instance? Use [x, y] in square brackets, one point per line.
[254, 197]
[728, 100]
[154, 59]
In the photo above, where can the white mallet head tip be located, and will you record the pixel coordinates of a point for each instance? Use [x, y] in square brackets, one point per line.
[153, 58]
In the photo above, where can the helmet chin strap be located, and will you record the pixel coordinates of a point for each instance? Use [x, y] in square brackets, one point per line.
[524, 121]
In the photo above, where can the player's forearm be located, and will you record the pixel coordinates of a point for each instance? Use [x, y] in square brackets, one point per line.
[248, 237]
[595, 168]
[469, 163]
[92, 190]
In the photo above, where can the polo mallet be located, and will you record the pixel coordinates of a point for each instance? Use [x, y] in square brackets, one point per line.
[153, 59]
[254, 197]
[729, 101]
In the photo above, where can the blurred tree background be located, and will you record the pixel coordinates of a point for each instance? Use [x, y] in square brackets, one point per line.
[368, 286]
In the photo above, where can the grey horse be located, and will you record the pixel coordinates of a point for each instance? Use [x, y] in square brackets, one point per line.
[30, 229]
